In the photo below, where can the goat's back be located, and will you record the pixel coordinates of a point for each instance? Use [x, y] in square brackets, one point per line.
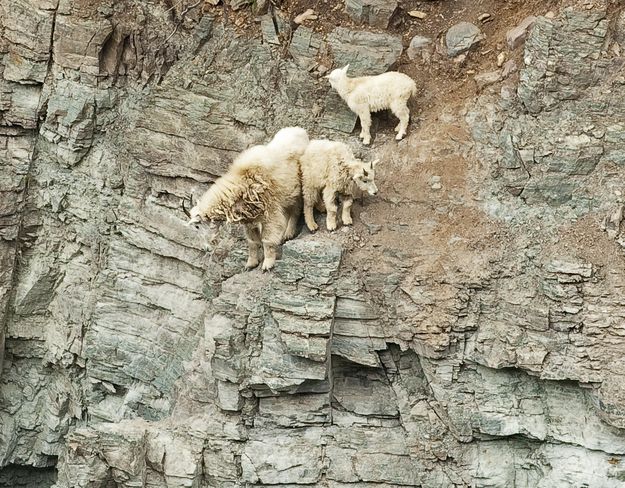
[323, 152]
[379, 92]
[325, 163]
[289, 142]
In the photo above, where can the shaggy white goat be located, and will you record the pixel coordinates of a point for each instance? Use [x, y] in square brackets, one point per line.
[330, 168]
[368, 94]
[261, 190]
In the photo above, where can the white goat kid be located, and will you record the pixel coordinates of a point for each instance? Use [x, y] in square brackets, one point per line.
[366, 94]
[261, 190]
[330, 169]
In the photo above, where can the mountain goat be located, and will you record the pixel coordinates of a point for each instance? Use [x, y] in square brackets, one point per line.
[330, 168]
[368, 94]
[262, 191]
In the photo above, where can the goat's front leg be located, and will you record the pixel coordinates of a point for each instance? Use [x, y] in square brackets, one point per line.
[310, 198]
[329, 197]
[293, 214]
[346, 215]
[365, 124]
[271, 235]
[253, 245]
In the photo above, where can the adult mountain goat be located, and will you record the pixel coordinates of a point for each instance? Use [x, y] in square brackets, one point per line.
[330, 168]
[262, 191]
[366, 94]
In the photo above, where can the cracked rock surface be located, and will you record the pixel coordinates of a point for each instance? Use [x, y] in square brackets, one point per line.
[468, 330]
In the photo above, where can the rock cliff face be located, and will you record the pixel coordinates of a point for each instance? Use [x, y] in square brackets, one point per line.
[469, 329]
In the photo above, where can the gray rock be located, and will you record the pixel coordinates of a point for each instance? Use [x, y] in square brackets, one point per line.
[78, 42]
[367, 53]
[612, 222]
[228, 396]
[462, 37]
[377, 13]
[515, 37]
[239, 4]
[282, 458]
[347, 308]
[358, 350]
[570, 268]
[20, 104]
[619, 29]
[509, 67]
[295, 410]
[547, 157]
[28, 31]
[138, 352]
[337, 115]
[349, 382]
[275, 28]
[305, 46]
[21, 476]
[539, 81]
[489, 78]
[420, 47]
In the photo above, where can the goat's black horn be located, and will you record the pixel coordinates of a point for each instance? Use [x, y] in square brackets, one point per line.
[184, 209]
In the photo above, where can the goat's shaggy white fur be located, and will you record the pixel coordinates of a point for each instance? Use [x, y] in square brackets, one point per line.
[330, 168]
[368, 94]
[261, 190]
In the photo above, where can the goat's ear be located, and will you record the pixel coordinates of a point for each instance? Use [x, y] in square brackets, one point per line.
[374, 163]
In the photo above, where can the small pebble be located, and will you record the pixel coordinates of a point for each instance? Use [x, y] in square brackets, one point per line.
[418, 14]
[501, 58]
[308, 15]
[485, 18]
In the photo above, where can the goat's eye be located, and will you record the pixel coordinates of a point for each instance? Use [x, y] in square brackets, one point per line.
[365, 173]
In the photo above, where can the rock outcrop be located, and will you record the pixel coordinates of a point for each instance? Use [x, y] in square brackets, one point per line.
[477, 343]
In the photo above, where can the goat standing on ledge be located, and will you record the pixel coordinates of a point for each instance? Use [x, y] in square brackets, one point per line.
[261, 190]
[330, 168]
[368, 94]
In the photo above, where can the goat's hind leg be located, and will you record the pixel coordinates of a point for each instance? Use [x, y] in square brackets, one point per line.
[254, 244]
[401, 111]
